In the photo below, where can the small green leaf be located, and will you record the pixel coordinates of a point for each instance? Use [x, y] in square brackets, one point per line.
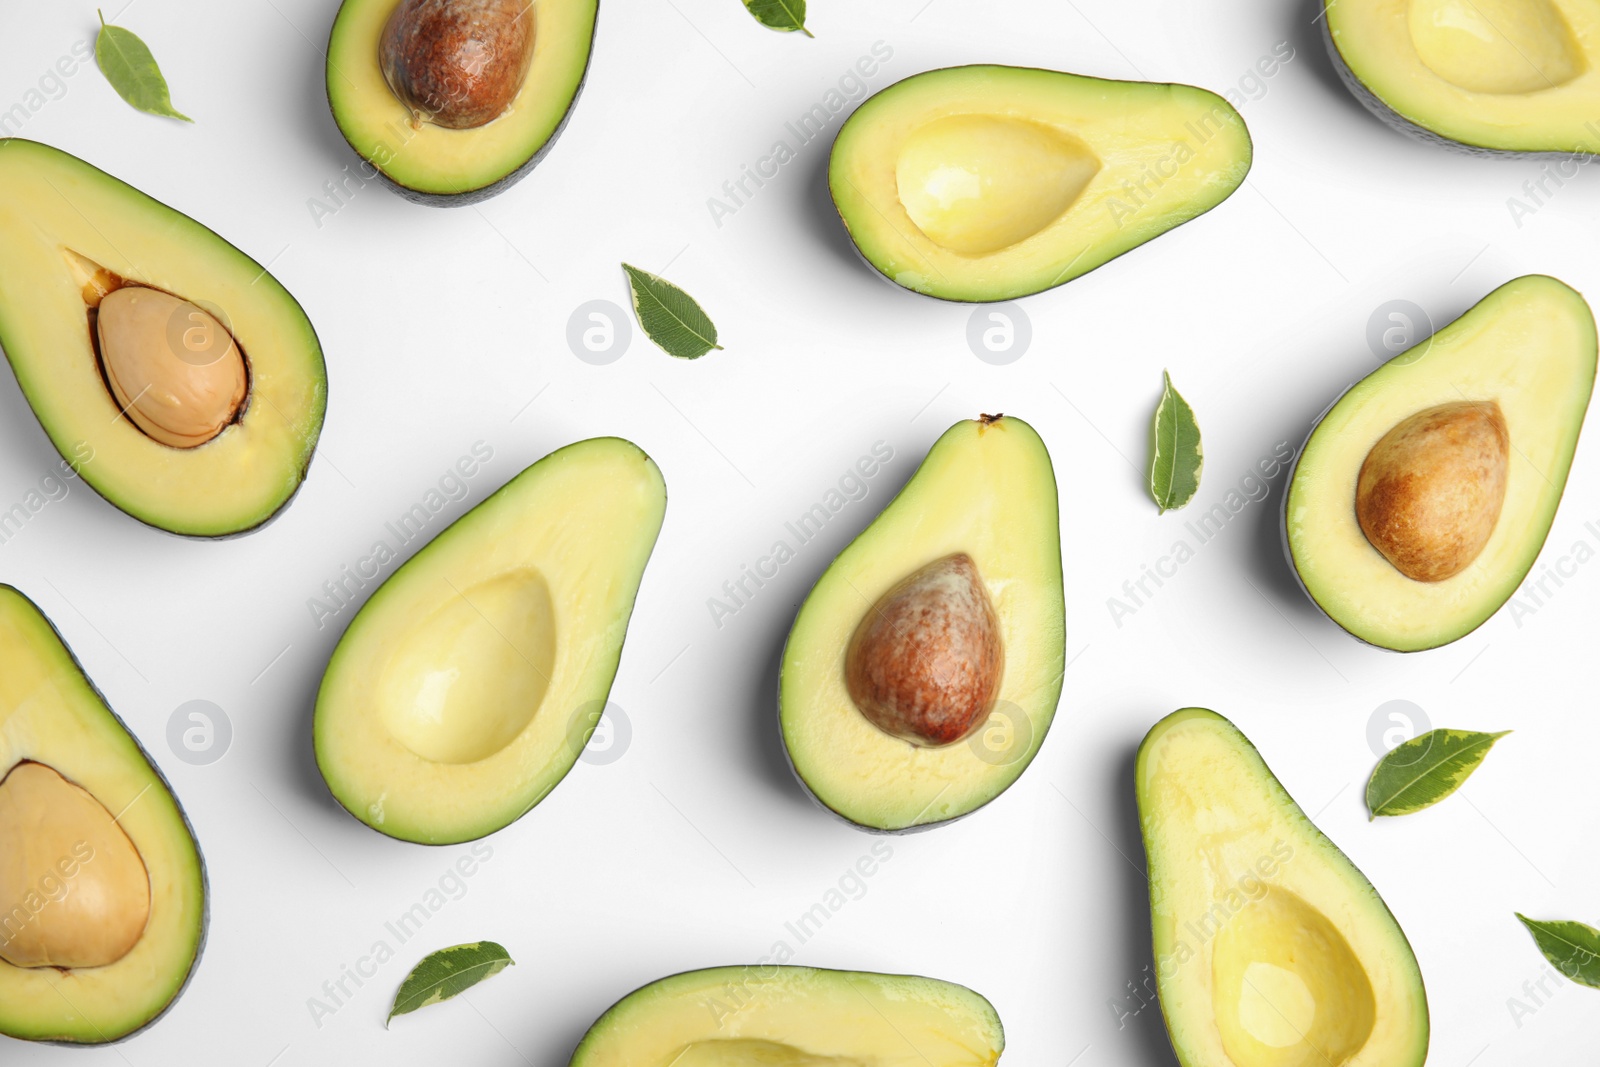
[784, 15]
[1175, 453]
[670, 316]
[132, 71]
[1572, 948]
[1419, 773]
[446, 973]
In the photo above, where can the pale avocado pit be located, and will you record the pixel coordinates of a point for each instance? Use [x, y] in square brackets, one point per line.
[1430, 491]
[925, 663]
[458, 64]
[61, 849]
[1495, 46]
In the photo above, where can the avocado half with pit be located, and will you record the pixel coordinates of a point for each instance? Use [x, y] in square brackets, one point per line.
[988, 183]
[1491, 76]
[778, 1016]
[1423, 496]
[924, 668]
[101, 882]
[1271, 948]
[453, 101]
[171, 370]
[467, 686]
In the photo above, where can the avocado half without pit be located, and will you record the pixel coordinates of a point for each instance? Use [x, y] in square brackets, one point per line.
[452, 101]
[1271, 948]
[780, 1016]
[1423, 496]
[924, 668]
[988, 183]
[1490, 76]
[174, 374]
[467, 686]
[102, 888]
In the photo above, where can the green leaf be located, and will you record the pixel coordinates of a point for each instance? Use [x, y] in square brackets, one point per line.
[1419, 773]
[784, 15]
[670, 316]
[1572, 948]
[1175, 453]
[132, 71]
[446, 973]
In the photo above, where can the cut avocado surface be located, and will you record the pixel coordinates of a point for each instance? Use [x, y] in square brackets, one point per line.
[1272, 949]
[1489, 75]
[466, 687]
[101, 882]
[179, 379]
[978, 522]
[987, 183]
[1525, 355]
[435, 164]
[776, 1016]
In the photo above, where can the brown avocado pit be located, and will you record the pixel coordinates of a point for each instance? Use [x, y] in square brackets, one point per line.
[924, 665]
[1430, 491]
[457, 63]
[68, 868]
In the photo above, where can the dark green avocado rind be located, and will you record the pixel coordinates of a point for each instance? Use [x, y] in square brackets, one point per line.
[199, 854]
[468, 197]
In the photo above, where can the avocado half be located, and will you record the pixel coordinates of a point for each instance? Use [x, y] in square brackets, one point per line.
[441, 167]
[794, 1017]
[72, 235]
[467, 686]
[987, 489]
[1490, 76]
[1271, 948]
[103, 883]
[1528, 347]
[987, 183]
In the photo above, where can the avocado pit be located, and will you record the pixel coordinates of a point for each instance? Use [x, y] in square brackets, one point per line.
[457, 63]
[1430, 491]
[925, 663]
[74, 888]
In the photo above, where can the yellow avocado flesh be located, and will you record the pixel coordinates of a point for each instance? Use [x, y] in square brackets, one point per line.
[987, 490]
[1272, 949]
[1510, 75]
[987, 183]
[81, 844]
[463, 689]
[1530, 347]
[773, 1016]
[444, 162]
[59, 217]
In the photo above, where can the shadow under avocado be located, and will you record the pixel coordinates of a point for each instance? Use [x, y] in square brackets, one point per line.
[1144, 1024]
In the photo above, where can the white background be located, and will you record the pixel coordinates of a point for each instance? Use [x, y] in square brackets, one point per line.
[696, 847]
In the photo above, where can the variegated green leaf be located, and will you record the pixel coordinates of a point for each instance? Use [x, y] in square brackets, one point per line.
[1175, 453]
[1419, 773]
[448, 972]
[1572, 948]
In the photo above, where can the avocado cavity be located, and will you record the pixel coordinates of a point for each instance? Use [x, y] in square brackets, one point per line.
[754, 1052]
[1501, 47]
[468, 679]
[457, 63]
[976, 184]
[925, 663]
[63, 845]
[1430, 491]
